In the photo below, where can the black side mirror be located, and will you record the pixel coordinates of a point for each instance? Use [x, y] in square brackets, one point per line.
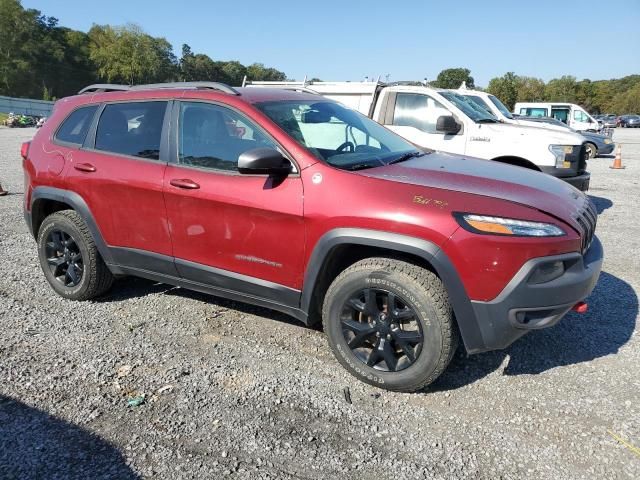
[447, 124]
[264, 161]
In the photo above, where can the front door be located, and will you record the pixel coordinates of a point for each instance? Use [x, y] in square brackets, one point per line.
[415, 116]
[233, 231]
[580, 121]
[119, 173]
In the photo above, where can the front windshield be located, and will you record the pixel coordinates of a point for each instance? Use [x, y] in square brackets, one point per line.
[469, 107]
[337, 135]
[503, 109]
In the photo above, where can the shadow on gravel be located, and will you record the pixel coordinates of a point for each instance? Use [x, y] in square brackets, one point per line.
[601, 203]
[609, 324]
[133, 287]
[33, 444]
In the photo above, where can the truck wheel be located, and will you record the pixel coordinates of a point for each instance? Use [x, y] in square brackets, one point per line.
[389, 323]
[69, 257]
[592, 150]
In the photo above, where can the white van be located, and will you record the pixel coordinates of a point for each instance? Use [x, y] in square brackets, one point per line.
[447, 121]
[568, 113]
[502, 113]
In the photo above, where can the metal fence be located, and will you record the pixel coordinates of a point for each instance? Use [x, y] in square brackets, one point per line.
[25, 106]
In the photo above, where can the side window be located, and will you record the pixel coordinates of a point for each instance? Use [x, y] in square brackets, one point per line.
[76, 125]
[131, 129]
[536, 112]
[419, 111]
[214, 137]
[580, 116]
[561, 114]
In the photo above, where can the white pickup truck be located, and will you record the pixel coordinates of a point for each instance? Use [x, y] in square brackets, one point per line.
[447, 121]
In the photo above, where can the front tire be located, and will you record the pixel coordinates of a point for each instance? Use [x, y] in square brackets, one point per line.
[592, 150]
[389, 323]
[70, 259]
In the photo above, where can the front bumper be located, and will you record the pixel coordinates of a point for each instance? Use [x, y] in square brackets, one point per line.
[606, 148]
[581, 181]
[524, 306]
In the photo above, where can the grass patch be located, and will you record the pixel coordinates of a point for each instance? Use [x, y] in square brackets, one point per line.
[3, 117]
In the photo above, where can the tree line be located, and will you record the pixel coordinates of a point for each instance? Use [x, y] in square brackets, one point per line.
[41, 59]
[617, 96]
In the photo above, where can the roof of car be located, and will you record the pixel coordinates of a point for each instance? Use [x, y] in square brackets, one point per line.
[246, 95]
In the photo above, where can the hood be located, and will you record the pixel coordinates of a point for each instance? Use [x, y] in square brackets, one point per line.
[490, 179]
[535, 132]
[547, 126]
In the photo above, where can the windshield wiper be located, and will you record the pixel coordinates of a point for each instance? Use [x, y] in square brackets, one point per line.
[406, 156]
[361, 166]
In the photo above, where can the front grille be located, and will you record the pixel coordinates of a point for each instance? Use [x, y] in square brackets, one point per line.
[587, 217]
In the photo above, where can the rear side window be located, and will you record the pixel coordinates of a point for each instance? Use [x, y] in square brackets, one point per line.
[75, 127]
[131, 129]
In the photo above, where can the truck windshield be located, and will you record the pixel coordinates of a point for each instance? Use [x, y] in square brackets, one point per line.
[503, 109]
[337, 135]
[470, 108]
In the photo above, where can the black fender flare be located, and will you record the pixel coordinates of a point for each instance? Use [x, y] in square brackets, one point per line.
[77, 203]
[429, 251]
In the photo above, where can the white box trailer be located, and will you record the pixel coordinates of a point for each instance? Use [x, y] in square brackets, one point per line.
[444, 120]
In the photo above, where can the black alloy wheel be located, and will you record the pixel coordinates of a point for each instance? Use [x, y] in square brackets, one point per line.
[64, 258]
[381, 330]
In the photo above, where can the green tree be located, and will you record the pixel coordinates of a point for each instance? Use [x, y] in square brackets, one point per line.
[453, 78]
[563, 89]
[257, 71]
[128, 55]
[505, 88]
[19, 32]
[626, 102]
[530, 89]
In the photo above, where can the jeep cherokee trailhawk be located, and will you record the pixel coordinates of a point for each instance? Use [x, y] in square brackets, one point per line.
[293, 202]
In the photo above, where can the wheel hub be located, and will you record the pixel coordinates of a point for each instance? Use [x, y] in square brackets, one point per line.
[381, 330]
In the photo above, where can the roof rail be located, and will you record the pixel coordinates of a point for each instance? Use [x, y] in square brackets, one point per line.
[223, 87]
[104, 87]
[110, 87]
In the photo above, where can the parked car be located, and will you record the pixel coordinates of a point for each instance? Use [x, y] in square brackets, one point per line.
[610, 121]
[294, 202]
[445, 121]
[629, 121]
[570, 114]
[596, 143]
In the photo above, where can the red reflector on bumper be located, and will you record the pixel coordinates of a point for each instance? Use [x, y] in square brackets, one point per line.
[581, 307]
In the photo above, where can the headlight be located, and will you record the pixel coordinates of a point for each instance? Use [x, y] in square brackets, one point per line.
[608, 141]
[507, 226]
[560, 152]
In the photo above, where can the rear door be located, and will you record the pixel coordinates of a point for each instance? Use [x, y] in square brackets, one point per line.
[414, 116]
[119, 173]
[238, 232]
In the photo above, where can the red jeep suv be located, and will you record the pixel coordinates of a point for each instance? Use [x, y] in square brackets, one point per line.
[291, 201]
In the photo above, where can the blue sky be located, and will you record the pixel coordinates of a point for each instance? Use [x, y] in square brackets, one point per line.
[409, 40]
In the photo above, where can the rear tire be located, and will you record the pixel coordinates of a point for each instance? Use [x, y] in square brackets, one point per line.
[399, 336]
[70, 259]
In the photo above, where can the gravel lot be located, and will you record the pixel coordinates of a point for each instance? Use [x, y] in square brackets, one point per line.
[245, 392]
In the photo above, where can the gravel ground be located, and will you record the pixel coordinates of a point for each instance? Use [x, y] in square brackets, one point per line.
[233, 390]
